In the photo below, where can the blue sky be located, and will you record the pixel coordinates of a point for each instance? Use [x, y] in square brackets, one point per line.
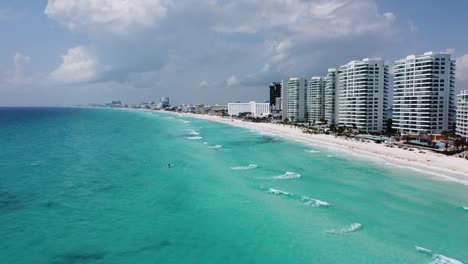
[213, 51]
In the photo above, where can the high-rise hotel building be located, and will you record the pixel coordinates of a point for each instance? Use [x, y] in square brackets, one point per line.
[423, 93]
[296, 100]
[316, 99]
[363, 92]
[331, 96]
[462, 115]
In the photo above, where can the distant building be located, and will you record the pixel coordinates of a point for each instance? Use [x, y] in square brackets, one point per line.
[255, 109]
[275, 99]
[316, 99]
[165, 102]
[424, 94]
[332, 96]
[363, 92]
[296, 100]
[462, 115]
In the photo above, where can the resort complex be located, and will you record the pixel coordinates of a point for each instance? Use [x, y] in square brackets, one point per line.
[355, 99]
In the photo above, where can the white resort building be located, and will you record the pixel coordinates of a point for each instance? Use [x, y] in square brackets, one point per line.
[316, 99]
[462, 115]
[423, 94]
[296, 100]
[255, 109]
[331, 96]
[363, 92]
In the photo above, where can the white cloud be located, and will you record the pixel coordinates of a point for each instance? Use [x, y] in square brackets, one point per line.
[20, 60]
[204, 83]
[109, 15]
[412, 27]
[78, 66]
[158, 40]
[317, 19]
[232, 81]
[462, 68]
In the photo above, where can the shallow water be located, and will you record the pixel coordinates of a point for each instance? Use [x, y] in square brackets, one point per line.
[94, 186]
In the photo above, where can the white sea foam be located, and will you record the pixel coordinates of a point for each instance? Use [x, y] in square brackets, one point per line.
[287, 176]
[330, 156]
[307, 201]
[437, 258]
[249, 167]
[216, 147]
[194, 133]
[352, 228]
[205, 143]
[438, 175]
[441, 259]
[194, 138]
[313, 151]
[278, 192]
[465, 208]
[423, 250]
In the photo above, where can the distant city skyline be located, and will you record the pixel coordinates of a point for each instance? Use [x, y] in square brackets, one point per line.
[68, 52]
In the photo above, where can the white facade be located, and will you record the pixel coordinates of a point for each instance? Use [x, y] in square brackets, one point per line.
[296, 100]
[316, 99]
[256, 109]
[331, 97]
[284, 100]
[423, 94]
[363, 92]
[462, 115]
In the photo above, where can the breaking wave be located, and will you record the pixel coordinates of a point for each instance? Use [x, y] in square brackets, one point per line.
[352, 228]
[437, 258]
[287, 176]
[194, 133]
[307, 201]
[194, 138]
[313, 151]
[423, 250]
[249, 167]
[465, 208]
[278, 192]
[216, 147]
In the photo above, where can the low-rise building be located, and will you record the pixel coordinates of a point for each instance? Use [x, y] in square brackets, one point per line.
[252, 107]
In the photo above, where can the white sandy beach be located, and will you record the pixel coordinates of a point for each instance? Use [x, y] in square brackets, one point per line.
[450, 168]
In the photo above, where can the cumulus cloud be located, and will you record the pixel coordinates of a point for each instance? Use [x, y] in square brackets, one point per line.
[160, 44]
[117, 16]
[317, 19]
[78, 66]
[20, 60]
[232, 81]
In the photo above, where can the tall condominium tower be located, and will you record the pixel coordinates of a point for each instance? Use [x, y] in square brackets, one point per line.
[296, 100]
[275, 99]
[363, 89]
[275, 92]
[462, 115]
[424, 93]
[316, 99]
[331, 96]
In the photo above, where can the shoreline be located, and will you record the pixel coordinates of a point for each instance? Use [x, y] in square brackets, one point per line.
[441, 166]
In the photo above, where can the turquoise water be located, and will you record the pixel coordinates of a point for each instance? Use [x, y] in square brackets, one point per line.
[93, 186]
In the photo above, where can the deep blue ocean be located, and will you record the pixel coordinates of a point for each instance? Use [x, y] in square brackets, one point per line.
[93, 186]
